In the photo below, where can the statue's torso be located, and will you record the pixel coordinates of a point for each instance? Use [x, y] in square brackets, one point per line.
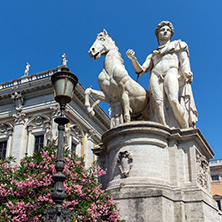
[163, 64]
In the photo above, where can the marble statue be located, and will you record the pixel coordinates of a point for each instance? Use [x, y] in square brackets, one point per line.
[27, 69]
[64, 60]
[170, 77]
[115, 83]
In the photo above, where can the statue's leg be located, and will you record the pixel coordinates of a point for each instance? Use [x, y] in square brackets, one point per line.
[100, 95]
[126, 106]
[171, 86]
[124, 98]
[158, 97]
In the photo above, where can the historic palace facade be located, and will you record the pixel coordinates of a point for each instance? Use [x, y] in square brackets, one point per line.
[27, 112]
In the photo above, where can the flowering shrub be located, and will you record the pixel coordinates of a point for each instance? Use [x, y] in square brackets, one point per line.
[25, 191]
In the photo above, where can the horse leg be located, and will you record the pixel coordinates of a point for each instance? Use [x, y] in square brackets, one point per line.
[99, 95]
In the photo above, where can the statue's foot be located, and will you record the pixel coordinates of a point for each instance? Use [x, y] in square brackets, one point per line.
[184, 125]
[127, 118]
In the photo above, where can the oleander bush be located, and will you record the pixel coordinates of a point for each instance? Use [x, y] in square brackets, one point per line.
[25, 190]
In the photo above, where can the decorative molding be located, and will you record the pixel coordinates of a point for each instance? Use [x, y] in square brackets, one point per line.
[30, 128]
[125, 162]
[6, 128]
[202, 170]
[38, 121]
[3, 128]
[19, 116]
[56, 110]
[18, 99]
[30, 78]
[91, 134]
[77, 132]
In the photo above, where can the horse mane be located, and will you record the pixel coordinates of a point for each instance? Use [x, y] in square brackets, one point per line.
[116, 48]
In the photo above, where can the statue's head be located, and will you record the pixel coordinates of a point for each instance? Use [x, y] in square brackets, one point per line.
[160, 25]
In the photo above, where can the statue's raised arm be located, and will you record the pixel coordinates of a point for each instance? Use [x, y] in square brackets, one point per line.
[140, 70]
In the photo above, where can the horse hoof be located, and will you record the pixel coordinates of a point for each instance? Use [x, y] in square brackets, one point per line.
[90, 112]
[88, 91]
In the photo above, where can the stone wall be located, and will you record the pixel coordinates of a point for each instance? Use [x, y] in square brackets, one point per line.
[158, 174]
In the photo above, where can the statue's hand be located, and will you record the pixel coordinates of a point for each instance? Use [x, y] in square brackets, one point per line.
[189, 76]
[131, 54]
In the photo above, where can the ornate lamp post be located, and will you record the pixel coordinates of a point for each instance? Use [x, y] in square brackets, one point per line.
[64, 83]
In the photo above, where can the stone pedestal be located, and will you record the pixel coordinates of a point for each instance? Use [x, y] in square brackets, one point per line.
[158, 174]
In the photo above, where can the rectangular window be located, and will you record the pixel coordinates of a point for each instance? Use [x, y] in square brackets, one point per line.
[218, 204]
[3, 146]
[39, 141]
[73, 147]
[215, 178]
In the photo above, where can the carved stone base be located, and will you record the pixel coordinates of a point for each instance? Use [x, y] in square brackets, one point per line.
[57, 213]
[158, 174]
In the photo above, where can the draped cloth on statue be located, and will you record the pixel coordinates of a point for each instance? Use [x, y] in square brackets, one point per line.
[188, 100]
[174, 46]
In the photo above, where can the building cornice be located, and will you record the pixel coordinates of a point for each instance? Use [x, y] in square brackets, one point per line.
[37, 85]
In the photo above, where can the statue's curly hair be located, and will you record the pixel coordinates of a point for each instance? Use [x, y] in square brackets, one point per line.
[161, 24]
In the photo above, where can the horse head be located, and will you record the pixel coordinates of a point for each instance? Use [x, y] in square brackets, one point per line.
[102, 45]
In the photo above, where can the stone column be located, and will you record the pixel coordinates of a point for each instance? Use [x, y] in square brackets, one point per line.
[30, 145]
[9, 143]
[88, 148]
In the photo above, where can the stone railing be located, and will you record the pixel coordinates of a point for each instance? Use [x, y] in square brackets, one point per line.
[216, 162]
[32, 77]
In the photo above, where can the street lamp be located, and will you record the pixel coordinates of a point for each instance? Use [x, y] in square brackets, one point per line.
[64, 83]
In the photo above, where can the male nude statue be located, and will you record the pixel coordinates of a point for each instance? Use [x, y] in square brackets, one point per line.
[167, 64]
[27, 69]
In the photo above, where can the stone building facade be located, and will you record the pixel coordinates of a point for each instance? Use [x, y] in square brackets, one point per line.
[27, 112]
[216, 180]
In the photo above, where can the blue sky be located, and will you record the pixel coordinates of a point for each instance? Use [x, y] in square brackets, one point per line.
[39, 32]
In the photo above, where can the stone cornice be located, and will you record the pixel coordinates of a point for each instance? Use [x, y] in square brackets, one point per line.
[33, 77]
[169, 134]
[40, 84]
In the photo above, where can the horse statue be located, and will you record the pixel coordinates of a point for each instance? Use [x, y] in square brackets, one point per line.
[115, 83]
